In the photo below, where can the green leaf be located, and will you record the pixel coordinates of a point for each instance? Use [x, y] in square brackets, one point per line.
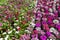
[3, 2]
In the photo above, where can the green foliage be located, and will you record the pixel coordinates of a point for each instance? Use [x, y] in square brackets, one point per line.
[22, 12]
[2, 2]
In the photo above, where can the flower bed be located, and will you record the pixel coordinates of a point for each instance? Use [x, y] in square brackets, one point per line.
[29, 20]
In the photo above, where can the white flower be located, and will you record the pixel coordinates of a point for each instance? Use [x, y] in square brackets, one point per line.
[32, 24]
[50, 9]
[18, 27]
[33, 19]
[17, 32]
[14, 29]
[47, 39]
[51, 39]
[52, 29]
[4, 33]
[51, 14]
[55, 1]
[27, 31]
[22, 16]
[38, 28]
[56, 32]
[55, 21]
[6, 38]
[30, 28]
[52, 36]
[43, 13]
[9, 32]
[15, 23]
[17, 20]
[35, 2]
[1, 38]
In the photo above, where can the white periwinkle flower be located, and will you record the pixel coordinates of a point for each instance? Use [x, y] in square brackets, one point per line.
[51, 39]
[18, 27]
[17, 32]
[6, 38]
[27, 31]
[52, 29]
[15, 23]
[33, 24]
[38, 28]
[4, 33]
[1, 38]
[14, 29]
[55, 21]
[9, 32]
[50, 10]
[33, 20]
[17, 20]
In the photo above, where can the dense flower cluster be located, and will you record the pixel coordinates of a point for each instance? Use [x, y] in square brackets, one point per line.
[47, 22]
[30, 20]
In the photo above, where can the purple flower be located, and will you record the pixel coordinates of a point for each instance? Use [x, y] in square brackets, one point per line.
[35, 38]
[58, 27]
[50, 18]
[38, 24]
[43, 37]
[38, 18]
[50, 22]
[44, 22]
[35, 31]
[48, 34]
[46, 12]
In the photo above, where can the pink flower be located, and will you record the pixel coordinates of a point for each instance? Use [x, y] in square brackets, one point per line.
[42, 32]
[0, 24]
[46, 27]
[35, 31]
[25, 37]
[18, 28]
